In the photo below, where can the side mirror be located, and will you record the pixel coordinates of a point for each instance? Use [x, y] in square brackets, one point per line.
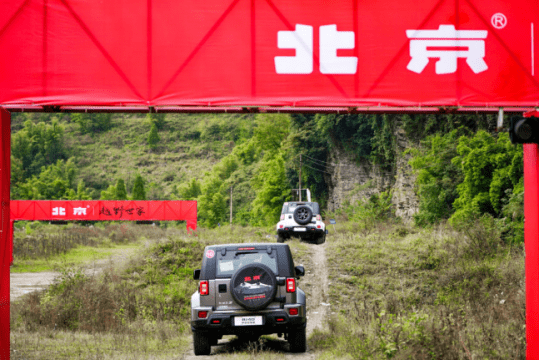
[299, 271]
[196, 274]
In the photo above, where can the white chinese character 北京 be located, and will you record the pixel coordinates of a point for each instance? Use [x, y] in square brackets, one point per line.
[447, 44]
[79, 211]
[59, 211]
[301, 39]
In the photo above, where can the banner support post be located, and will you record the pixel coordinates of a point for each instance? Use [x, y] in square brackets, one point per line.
[530, 173]
[5, 230]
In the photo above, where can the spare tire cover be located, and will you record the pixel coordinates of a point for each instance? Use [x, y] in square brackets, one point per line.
[254, 286]
[302, 215]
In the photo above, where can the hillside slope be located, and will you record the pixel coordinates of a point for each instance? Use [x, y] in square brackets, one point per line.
[189, 146]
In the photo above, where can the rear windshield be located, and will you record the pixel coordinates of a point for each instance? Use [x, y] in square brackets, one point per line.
[234, 260]
[288, 208]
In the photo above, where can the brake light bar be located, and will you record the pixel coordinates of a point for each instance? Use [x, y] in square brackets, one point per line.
[247, 248]
[291, 285]
[203, 287]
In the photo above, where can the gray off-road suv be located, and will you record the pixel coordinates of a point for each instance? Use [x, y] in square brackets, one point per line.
[248, 290]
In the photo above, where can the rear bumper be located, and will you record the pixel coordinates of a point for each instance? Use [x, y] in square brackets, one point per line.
[278, 321]
[311, 231]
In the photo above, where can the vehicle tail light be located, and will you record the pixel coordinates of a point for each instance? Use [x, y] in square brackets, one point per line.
[203, 287]
[216, 321]
[293, 311]
[282, 217]
[318, 217]
[281, 226]
[291, 285]
[318, 226]
[202, 314]
[280, 319]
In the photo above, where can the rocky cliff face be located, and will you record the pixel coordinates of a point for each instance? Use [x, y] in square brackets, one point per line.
[404, 198]
[350, 180]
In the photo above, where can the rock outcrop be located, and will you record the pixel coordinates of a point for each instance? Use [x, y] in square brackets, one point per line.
[350, 180]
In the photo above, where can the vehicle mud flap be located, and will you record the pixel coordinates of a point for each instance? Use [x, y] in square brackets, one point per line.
[254, 286]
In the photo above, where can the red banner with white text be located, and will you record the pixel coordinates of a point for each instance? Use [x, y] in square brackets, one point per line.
[269, 52]
[105, 210]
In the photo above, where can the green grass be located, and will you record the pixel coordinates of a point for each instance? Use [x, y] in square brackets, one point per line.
[408, 293]
[74, 257]
[394, 292]
[143, 341]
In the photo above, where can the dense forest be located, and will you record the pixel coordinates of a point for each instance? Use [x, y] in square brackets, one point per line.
[465, 170]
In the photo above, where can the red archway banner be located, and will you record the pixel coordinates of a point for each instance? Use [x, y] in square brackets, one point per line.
[105, 210]
[269, 53]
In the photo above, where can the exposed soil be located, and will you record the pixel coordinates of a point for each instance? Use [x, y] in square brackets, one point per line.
[315, 283]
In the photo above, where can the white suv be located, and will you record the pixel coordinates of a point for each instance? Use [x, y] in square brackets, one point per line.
[303, 220]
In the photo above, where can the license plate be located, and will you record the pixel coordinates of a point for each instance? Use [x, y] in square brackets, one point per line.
[299, 229]
[247, 320]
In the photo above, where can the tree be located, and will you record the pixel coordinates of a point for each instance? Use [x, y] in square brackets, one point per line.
[93, 123]
[190, 191]
[55, 182]
[109, 194]
[38, 145]
[82, 193]
[437, 177]
[212, 206]
[156, 119]
[492, 169]
[153, 137]
[120, 193]
[138, 188]
[272, 191]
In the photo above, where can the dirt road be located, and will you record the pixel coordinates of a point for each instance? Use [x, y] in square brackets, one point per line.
[24, 283]
[315, 283]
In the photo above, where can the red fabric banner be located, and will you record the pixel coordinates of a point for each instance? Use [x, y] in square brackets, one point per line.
[105, 210]
[269, 52]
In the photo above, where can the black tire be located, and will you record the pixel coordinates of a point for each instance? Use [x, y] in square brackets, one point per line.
[201, 344]
[280, 238]
[297, 340]
[257, 292]
[302, 215]
[321, 239]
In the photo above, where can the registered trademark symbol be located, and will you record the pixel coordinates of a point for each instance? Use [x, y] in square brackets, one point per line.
[498, 21]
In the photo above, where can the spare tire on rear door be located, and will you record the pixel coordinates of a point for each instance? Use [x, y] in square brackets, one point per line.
[254, 286]
[302, 215]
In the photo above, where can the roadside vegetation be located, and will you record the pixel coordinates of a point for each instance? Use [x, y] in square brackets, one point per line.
[39, 246]
[138, 309]
[437, 293]
[396, 291]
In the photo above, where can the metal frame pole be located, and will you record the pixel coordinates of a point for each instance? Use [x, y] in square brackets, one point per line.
[5, 230]
[530, 170]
